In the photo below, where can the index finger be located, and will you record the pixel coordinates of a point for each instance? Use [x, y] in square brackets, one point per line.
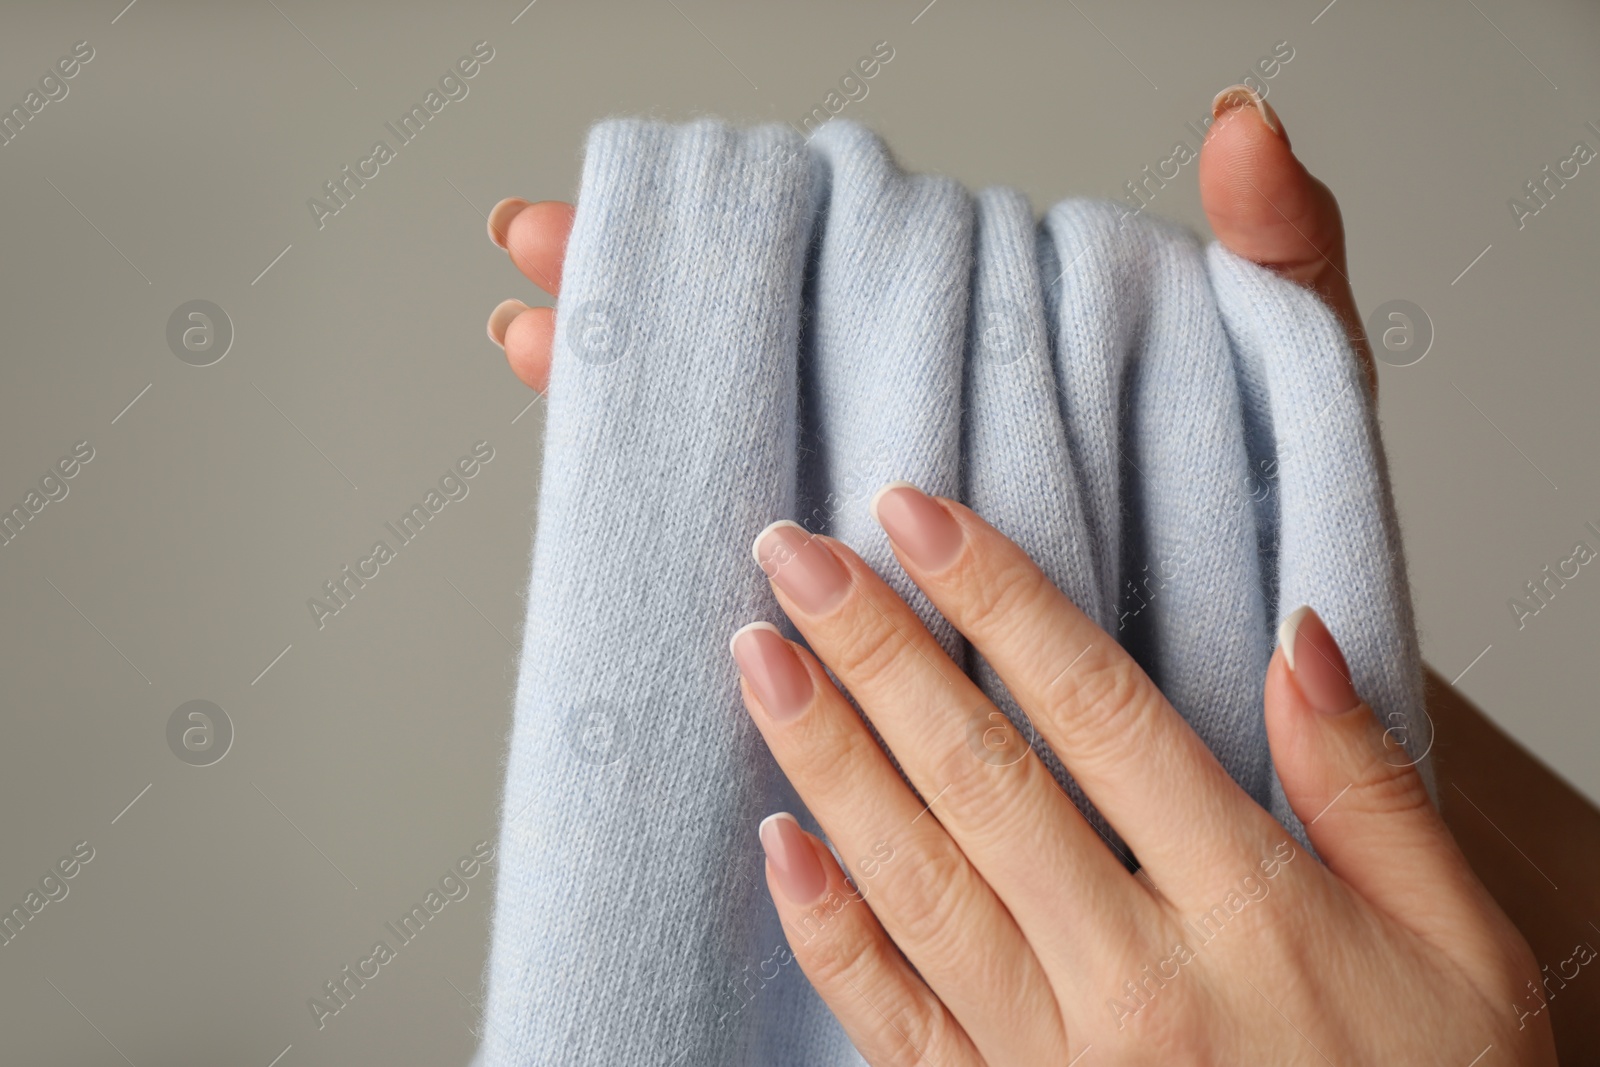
[1131, 752]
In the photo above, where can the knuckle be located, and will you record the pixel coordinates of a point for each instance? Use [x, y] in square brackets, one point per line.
[867, 652]
[833, 765]
[984, 798]
[1389, 789]
[918, 1032]
[1004, 598]
[1105, 711]
[842, 956]
[1279, 934]
[929, 896]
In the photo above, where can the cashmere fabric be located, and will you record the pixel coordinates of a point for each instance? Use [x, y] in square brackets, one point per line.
[754, 327]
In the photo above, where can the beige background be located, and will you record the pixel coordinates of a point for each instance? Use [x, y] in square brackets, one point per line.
[367, 758]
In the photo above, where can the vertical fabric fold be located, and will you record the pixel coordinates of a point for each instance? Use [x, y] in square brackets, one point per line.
[884, 347]
[1018, 453]
[1150, 412]
[630, 896]
[1317, 460]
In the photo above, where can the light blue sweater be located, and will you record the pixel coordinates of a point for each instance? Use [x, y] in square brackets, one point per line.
[754, 327]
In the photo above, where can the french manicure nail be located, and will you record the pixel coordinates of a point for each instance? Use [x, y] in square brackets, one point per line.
[801, 565]
[768, 662]
[918, 525]
[500, 217]
[500, 319]
[1315, 662]
[794, 862]
[1237, 96]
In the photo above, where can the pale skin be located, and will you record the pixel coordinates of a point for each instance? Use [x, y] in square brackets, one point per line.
[983, 920]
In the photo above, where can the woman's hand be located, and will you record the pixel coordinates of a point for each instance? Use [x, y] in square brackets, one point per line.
[1263, 205]
[986, 922]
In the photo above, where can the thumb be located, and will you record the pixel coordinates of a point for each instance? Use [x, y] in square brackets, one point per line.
[1360, 797]
[1265, 206]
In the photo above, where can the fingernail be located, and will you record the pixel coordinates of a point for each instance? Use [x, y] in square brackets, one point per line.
[500, 217]
[801, 565]
[500, 319]
[1237, 96]
[770, 665]
[1315, 662]
[918, 525]
[794, 861]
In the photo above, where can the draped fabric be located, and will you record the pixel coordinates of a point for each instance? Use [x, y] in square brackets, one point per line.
[755, 327]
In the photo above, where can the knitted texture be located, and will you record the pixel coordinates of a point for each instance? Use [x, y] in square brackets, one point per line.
[755, 327]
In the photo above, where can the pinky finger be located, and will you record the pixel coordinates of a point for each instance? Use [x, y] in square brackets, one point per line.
[890, 1015]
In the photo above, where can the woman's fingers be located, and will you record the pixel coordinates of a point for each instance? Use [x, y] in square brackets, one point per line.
[889, 1013]
[1099, 711]
[1357, 791]
[940, 911]
[500, 217]
[1265, 206]
[527, 335]
[535, 235]
[1068, 893]
[501, 317]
